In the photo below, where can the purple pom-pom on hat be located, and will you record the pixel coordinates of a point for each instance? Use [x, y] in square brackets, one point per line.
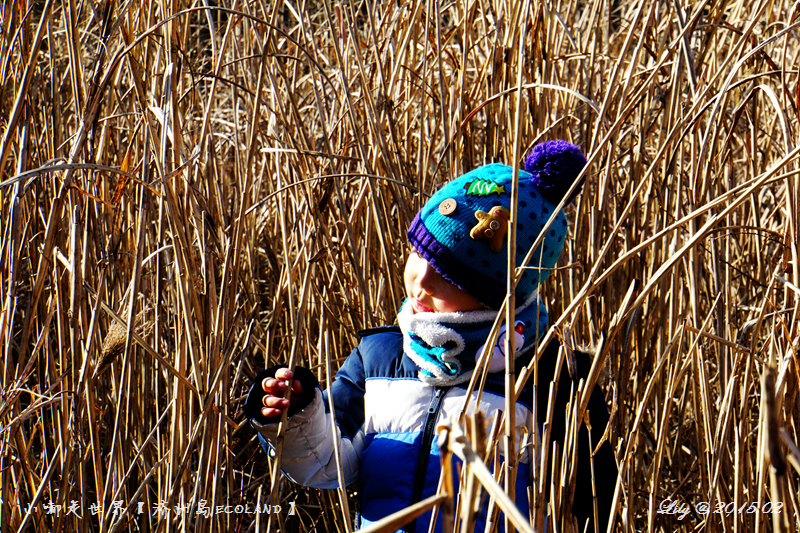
[553, 166]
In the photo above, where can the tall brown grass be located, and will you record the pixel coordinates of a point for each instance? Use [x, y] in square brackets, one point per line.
[171, 171]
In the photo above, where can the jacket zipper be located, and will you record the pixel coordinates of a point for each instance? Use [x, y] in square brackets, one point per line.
[424, 452]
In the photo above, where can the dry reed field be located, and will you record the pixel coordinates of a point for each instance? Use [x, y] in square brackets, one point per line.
[193, 191]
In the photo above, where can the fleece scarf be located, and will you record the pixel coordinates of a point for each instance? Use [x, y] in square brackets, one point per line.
[447, 346]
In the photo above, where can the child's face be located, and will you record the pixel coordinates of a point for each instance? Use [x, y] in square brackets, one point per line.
[429, 291]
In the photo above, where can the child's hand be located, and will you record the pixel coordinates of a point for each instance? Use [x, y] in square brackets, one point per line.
[274, 402]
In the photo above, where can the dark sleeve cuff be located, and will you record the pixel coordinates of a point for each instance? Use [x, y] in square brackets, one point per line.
[253, 404]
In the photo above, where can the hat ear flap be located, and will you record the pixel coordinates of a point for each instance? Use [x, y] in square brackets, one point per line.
[553, 166]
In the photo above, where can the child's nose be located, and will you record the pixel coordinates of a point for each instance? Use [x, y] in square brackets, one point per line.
[428, 279]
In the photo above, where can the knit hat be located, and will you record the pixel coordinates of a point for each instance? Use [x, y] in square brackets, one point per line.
[462, 230]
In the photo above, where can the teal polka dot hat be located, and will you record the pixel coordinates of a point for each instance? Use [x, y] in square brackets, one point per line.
[462, 230]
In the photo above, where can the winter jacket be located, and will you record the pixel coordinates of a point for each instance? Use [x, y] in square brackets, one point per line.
[386, 426]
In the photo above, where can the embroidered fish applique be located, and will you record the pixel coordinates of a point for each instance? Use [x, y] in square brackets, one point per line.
[435, 354]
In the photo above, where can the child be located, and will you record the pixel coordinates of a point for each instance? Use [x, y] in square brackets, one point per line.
[402, 380]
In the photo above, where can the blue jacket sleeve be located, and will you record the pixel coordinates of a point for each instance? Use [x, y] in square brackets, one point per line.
[348, 395]
[605, 465]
